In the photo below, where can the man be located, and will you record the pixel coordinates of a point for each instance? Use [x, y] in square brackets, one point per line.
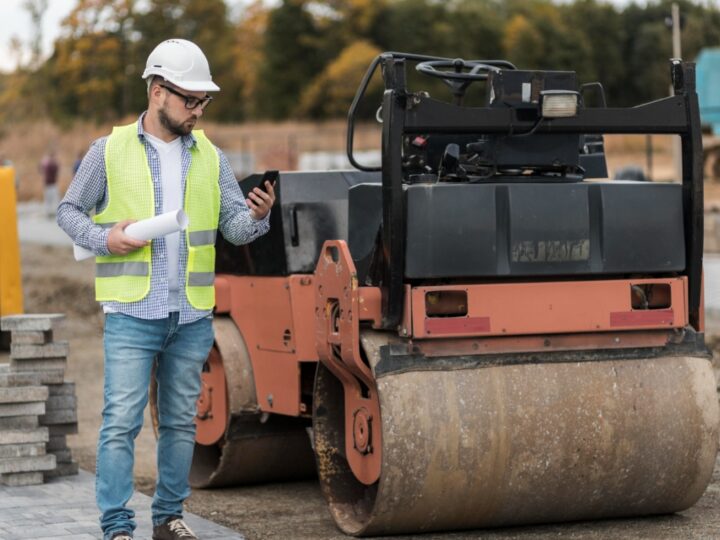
[49, 167]
[158, 296]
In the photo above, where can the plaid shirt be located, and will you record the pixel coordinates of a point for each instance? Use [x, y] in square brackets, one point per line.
[88, 191]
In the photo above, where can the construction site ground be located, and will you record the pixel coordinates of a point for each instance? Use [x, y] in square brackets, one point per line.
[54, 282]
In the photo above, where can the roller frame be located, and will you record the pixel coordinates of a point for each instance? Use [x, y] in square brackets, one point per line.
[338, 338]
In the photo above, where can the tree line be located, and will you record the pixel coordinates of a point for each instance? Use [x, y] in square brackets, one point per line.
[304, 59]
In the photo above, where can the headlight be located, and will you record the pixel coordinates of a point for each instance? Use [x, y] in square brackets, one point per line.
[558, 103]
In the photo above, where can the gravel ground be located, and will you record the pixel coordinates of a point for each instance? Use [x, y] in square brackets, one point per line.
[54, 282]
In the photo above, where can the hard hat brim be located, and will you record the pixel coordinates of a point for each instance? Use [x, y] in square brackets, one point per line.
[190, 86]
[197, 86]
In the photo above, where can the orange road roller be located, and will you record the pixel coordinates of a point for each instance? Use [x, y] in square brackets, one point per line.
[483, 330]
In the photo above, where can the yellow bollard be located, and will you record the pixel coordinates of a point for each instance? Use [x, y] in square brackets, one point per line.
[11, 298]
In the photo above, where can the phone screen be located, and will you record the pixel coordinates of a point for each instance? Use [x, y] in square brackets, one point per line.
[270, 176]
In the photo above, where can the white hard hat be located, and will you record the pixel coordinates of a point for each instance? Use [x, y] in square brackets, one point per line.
[182, 63]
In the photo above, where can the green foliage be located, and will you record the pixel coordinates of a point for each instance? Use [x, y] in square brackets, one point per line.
[331, 93]
[304, 58]
[293, 55]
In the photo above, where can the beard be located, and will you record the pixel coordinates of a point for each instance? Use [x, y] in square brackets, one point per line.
[176, 128]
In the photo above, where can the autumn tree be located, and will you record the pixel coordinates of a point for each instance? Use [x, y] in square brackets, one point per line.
[88, 66]
[331, 93]
[248, 57]
[303, 58]
[292, 58]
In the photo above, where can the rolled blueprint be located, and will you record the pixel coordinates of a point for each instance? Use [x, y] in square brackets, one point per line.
[146, 229]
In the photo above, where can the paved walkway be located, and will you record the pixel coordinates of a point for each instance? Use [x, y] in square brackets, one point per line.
[64, 508]
[35, 227]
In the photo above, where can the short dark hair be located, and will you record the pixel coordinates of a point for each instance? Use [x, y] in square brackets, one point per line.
[152, 79]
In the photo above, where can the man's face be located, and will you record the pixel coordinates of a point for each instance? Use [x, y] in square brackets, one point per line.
[173, 113]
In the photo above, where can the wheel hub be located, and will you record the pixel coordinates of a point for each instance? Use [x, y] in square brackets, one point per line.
[362, 431]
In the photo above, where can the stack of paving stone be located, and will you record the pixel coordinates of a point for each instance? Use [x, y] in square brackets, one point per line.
[37, 400]
[23, 456]
[61, 420]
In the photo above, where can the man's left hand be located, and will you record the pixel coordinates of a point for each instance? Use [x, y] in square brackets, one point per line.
[260, 202]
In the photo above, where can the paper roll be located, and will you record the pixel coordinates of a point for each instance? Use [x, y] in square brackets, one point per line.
[146, 229]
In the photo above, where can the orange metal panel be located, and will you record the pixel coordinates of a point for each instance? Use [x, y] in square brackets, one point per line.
[302, 300]
[262, 310]
[223, 297]
[550, 308]
[211, 418]
[274, 328]
[370, 305]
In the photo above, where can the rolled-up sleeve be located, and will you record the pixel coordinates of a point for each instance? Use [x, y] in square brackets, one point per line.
[85, 194]
[236, 224]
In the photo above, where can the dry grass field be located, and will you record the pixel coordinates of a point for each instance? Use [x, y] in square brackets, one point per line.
[273, 145]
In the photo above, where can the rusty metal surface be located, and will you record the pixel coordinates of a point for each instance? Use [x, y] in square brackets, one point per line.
[520, 444]
[410, 356]
[255, 452]
[548, 342]
[337, 335]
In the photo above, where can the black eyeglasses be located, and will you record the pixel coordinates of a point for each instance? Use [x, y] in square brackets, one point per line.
[190, 101]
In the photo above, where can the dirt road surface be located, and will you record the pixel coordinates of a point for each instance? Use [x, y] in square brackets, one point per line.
[54, 282]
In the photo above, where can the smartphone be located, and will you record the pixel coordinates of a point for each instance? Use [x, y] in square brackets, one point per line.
[270, 176]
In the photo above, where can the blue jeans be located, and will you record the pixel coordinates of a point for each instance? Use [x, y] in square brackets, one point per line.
[132, 346]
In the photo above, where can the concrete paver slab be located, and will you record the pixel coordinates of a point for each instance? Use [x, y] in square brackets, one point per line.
[64, 508]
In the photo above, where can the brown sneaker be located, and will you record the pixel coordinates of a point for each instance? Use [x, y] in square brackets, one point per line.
[173, 529]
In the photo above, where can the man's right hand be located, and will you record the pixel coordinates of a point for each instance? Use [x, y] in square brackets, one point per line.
[120, 243]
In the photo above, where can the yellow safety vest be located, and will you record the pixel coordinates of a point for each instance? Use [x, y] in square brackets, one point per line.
[126, 278]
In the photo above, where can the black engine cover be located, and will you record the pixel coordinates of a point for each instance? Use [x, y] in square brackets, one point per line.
[457, 230]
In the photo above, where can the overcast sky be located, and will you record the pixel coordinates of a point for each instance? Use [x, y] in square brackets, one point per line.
[14, 21]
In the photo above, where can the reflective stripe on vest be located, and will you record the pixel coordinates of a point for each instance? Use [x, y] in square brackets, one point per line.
[202, 238]
[122, 269]
[201, 279]
[130, 193]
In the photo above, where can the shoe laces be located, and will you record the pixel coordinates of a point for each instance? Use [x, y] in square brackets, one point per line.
[179, 527]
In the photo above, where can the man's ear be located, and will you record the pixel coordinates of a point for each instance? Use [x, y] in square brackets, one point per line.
[154, 88]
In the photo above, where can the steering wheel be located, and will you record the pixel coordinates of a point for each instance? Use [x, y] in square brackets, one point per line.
[458, 80]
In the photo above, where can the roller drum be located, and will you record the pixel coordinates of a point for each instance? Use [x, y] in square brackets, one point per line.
[253, 448]
[529, 443]
[253, 452]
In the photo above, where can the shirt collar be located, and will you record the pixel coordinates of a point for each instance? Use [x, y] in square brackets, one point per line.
[188, 140]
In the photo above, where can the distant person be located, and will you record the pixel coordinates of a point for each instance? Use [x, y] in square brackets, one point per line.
[158, 296]
[49, 167]
[78, 161]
